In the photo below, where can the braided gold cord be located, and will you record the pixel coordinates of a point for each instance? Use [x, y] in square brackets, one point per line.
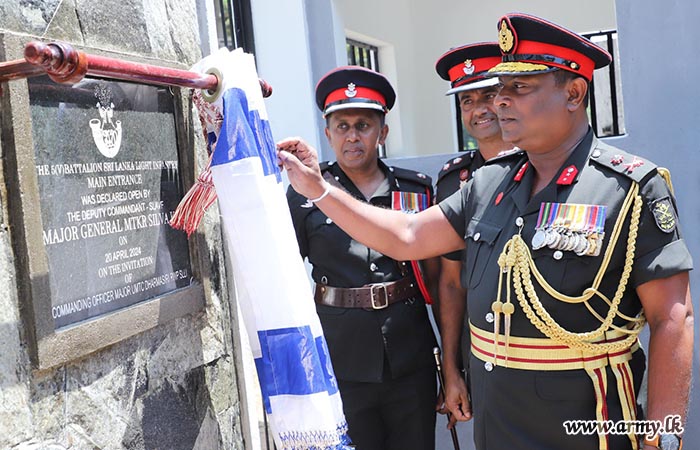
[516, 257]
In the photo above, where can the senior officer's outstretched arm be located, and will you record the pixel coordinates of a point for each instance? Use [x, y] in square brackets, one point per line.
[393, 233]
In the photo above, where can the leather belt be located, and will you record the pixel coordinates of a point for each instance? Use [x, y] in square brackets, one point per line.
[369, 296]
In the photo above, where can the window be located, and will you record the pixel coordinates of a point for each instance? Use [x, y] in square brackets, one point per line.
[361, 54]
[234, 24]
[605, 110]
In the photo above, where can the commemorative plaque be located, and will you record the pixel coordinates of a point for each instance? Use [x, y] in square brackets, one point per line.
[108, 177]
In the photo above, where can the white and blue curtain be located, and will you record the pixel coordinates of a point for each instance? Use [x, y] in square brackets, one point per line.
[299, 389]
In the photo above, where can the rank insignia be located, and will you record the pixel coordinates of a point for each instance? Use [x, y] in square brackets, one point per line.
[507, 40]
[617, 160]
[468, 67]
[350, 92]
[664, 214]
[636, 162]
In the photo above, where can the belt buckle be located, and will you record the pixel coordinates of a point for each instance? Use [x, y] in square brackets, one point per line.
[372, 290]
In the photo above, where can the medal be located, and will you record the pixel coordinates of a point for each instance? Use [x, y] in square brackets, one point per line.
[538, 240]
[581, 245]
[563, 241]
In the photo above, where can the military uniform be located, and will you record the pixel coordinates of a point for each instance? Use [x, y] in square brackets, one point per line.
[452, 176]
[382, 358]
[509, 379]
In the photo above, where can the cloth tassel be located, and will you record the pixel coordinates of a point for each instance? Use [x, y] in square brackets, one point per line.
[190, 212]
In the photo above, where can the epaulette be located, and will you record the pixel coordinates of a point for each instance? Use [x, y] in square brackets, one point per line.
[412, 175]
[459, 162]
[506, 155]
[631, 166]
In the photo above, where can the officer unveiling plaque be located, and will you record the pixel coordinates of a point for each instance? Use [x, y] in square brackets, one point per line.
[108, 176]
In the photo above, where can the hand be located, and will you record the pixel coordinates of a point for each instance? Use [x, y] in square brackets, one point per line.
[457, 399]
[301, 162]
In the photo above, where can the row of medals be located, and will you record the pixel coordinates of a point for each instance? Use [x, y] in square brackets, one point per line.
[583, 243]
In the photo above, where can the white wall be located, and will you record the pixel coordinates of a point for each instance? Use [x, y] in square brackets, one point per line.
[418, 32]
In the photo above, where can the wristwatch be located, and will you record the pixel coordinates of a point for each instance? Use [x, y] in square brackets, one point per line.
[665, 442]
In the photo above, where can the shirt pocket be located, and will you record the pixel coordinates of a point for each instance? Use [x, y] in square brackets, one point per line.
[480, 240]
[565, 271]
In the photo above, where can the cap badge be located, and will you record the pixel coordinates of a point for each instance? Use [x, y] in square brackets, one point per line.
[350, 92]
[506, 37]
[468, 67]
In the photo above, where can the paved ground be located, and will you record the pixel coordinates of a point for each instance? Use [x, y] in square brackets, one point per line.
[443, 438]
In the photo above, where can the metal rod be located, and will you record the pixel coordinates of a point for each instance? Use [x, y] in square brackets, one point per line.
[64, 64]
[19, 68]
[438, 364]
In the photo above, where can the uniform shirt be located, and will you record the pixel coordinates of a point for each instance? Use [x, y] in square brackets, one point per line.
[453, 175]
[360, 341]
[485, 213]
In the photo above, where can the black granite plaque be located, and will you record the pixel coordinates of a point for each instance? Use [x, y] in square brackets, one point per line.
[107, 168]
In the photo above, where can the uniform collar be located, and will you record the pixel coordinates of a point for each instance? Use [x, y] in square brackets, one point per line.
[347, 183]
[567, 175]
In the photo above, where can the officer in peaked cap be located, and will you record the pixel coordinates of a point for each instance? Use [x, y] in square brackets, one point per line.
[590, 236]
[573, 246]
[466, 68]
[371, 306]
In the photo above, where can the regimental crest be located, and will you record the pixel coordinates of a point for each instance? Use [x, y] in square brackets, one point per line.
[507, 39]
[106, 132]
[468, 67]
[664, 214]
[350, 92]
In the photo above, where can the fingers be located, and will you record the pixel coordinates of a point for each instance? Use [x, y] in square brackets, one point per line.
[292, 145]
[452, 422]
[287, 161]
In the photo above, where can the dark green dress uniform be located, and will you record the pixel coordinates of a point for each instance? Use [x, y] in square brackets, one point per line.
[382, 358]
[452, 176]
[525, 409]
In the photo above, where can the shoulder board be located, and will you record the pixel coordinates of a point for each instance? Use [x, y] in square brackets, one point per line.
[506, 156]
[411, 175]
[459, 162]
[631, 166]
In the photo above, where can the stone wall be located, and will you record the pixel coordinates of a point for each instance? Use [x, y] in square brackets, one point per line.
[172, 387]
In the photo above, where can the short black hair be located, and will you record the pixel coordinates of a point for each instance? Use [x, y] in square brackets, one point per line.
[561, 77]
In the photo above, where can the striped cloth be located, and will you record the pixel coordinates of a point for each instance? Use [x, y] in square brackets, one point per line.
[299, 388]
